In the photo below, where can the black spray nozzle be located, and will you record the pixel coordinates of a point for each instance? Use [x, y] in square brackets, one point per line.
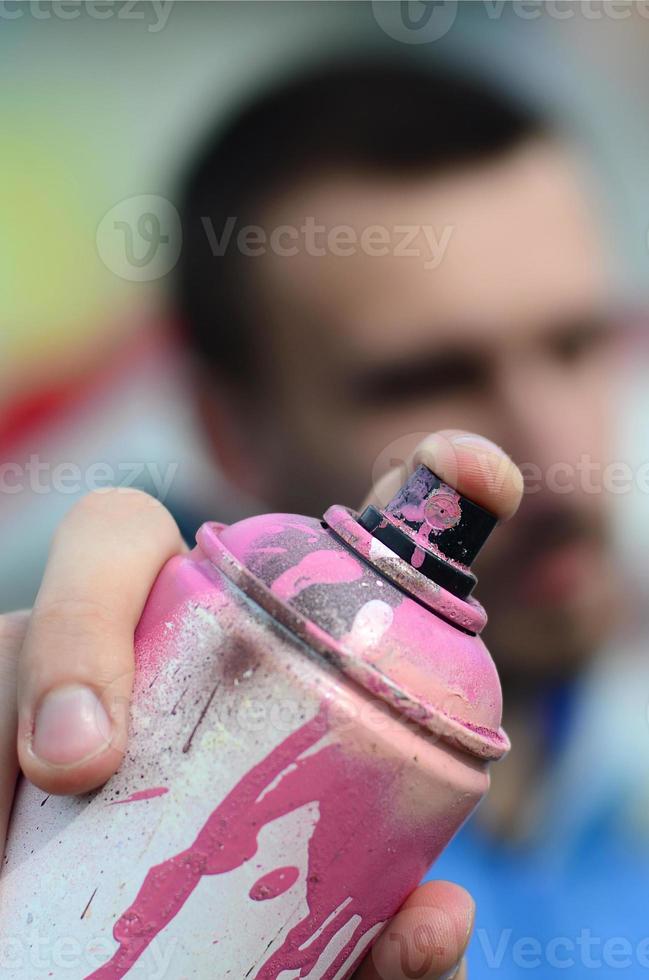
[433, 528]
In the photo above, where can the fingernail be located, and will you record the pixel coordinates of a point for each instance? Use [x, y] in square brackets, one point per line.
[452, 973]
[470, 917]
[71, 725]
[471, 439]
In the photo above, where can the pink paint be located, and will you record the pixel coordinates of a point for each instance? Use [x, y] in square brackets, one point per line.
[431, 672]
[455, 672]
[189, 577]
[370, 798]
[324, 567]
[412, 512]
[274, 883]
[424, 507]
[143, 794]
[417, 559]
[467, 613]
[442, 509]
[229, 839]
[246, 538]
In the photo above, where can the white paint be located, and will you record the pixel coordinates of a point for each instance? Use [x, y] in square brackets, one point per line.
[371, 622]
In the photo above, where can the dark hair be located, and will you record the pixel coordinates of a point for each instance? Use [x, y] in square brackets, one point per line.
[367, 116]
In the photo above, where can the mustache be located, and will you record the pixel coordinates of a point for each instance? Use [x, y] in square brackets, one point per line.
[539, 531]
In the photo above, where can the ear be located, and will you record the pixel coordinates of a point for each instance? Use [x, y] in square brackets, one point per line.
[228, 425]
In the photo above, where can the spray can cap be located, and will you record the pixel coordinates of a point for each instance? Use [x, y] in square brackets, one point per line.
[435, 529]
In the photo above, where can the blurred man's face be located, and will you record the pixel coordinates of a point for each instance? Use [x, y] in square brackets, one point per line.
[498, 324]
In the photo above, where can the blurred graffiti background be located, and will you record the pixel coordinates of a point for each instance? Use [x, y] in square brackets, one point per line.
[101, 104]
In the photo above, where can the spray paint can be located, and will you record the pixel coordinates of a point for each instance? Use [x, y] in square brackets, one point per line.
[313, 718]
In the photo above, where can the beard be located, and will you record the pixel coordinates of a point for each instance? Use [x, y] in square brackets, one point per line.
[550, 591]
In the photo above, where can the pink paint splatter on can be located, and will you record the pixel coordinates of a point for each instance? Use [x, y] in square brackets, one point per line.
[308, 698]
[142, 794]
[274, 883]
[442, 510]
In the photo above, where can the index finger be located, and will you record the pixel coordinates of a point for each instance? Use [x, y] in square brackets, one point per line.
[474, 466]
[76, 667]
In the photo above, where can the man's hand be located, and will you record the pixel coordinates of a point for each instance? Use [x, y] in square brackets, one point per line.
[430, 932]
[75, 669]
[426, 939]
[12, 633]
[66, 669]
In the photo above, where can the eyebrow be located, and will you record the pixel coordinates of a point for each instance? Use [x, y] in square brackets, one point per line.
[455, 367]
[428, 372]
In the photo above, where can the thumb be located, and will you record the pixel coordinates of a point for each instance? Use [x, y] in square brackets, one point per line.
[426, 939]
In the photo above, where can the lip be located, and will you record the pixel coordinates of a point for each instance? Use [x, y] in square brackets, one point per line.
[554, 577]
